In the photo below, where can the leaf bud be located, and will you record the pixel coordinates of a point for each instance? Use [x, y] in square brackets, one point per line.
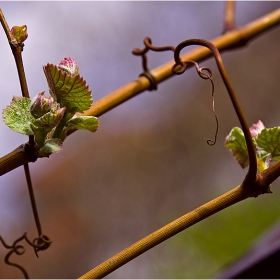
[19, 33]
[69, 65]
[40, 105]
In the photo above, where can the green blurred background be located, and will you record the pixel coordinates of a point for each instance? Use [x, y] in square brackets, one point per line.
[149, 162]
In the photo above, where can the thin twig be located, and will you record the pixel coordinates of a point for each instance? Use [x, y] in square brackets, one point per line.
[17, 50]
[6, 28]
[32, 199]
[229, 19]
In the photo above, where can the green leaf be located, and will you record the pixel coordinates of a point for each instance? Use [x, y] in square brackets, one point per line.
[235, 142]
[39, 135]
[269, 141]
[51, 146]
[17, 115]
[70, 91]
[83, 122]
[51, 119]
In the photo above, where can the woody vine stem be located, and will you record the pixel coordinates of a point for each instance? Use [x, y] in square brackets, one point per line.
[253, 185]
[248, 188]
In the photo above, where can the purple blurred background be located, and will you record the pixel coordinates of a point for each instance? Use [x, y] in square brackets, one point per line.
[149, 162]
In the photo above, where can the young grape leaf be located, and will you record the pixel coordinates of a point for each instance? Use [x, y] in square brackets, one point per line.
[50, 120]
[235, 142]
[40, 105]
[69, 65]
[17, 115]
[83, 122]
[256, 128]
[51, 146]
[269, 140]
[70, 91]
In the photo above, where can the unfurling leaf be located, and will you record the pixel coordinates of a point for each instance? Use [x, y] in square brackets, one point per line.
[255, 129]
[51, 146]
[83, 122]
[69, 65]
[51, 119]
[17, 115]
[235, 142]
[70, 91]
[40, 105]
[269, 141]
[266, 142]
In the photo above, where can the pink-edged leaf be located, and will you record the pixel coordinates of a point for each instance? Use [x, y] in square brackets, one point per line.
[69, 65]
[255, 129]
[71, 92]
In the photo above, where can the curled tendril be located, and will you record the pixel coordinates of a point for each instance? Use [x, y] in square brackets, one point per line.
[178, 68]
[210, 141]
[206, 76]
[39, 244]
[149, 46]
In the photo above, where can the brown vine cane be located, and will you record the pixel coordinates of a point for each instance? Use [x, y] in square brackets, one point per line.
[233, 196]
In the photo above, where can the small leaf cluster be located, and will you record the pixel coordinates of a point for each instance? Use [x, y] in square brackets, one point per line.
[266, 142]
[50, 118]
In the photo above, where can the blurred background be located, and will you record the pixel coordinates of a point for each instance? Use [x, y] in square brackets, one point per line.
[149, 162]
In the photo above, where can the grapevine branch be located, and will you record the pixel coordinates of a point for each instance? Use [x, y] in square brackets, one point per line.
[42, 242]
[233, 196]
[231, 39]
[252, 186]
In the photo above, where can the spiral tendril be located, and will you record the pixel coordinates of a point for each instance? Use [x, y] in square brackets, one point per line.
[178, 68]
[39, 244]
[210, 141]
